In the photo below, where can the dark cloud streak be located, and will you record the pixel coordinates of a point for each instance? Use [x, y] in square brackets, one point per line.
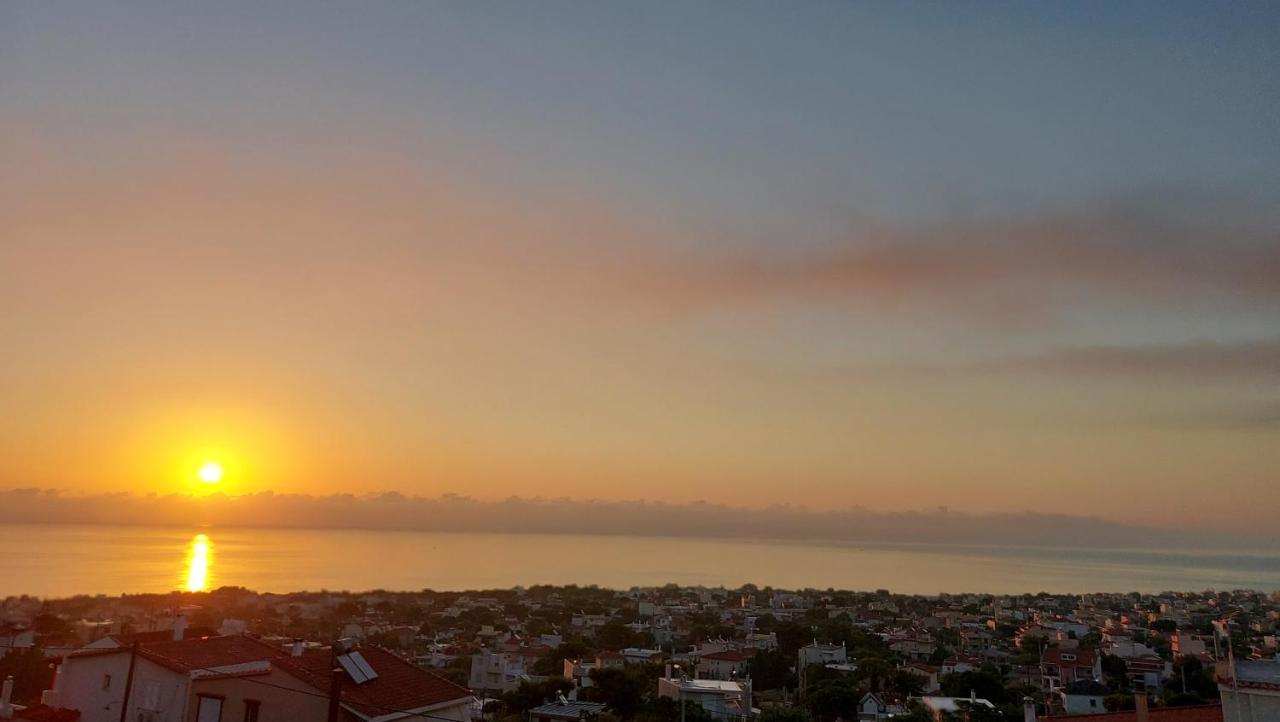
[450, 513]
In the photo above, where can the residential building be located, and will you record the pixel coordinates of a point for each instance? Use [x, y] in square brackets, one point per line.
[496, 672]
[1081, 697]
[1060, 667]
[723, 699]
[928, 674]
[1251, 691]
[729, 664]
[1185, 644]
[821, 654]
[240, 678]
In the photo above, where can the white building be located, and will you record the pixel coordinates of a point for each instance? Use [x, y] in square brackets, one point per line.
[722, 699]
[1251, 692]
[823, 654]
[496, 672]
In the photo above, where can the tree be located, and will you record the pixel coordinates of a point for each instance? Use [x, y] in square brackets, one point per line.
[904, 684]
[778, 713]
[30, 671]
[552, 663]
[623, 689]
[874, 671]
[986, 685]
[50, 625]
[834, 698]
[772, 670]
[531, 694]
[616, 635]
[1115, 670]
[1190, 677]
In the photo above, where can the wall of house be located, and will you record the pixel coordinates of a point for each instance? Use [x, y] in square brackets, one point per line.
[296, 702]
[158, 691]
[1082, 704]
[81, 686]
[1248, 705]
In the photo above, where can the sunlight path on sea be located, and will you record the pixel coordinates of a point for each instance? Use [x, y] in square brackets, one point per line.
[67, 560]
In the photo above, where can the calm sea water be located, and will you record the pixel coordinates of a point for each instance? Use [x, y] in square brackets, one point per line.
[66, 560]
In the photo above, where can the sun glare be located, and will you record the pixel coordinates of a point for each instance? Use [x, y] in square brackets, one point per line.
[198, 564]
[211, 472]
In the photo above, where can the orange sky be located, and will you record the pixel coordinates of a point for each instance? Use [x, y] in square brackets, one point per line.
[436, 303]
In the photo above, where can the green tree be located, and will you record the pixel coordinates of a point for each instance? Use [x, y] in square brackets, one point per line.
[874, 672]
[778, 713]
[1190, 676]
[30, 671]
[984, 684]
[623, 689]
[531, 694]
[834, 698]
[772, 670]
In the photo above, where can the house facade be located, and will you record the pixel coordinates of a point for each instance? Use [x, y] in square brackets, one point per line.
[241, 679]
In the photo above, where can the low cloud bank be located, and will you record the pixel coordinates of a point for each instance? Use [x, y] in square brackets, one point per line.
[452, 513]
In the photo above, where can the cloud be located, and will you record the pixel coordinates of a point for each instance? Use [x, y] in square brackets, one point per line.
[1200, 361]
[402, 231]
[1247, 417]
[452, 513]
[1136, 249]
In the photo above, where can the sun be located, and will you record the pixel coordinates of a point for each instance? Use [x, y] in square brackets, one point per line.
[211, 472]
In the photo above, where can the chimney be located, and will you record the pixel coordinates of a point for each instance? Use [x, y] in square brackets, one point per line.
[667, 673]
[179, 628]
[6, 693]
[1140, 706]
[50, 697]
[296, 650]
[1028, 710]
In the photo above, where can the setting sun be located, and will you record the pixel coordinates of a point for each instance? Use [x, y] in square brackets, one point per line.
[211, 473]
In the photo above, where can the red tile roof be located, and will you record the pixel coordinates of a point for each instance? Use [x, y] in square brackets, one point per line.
[44, 713]
[400, 685]
[210, 652]
[1083, 657]
[1192, 713]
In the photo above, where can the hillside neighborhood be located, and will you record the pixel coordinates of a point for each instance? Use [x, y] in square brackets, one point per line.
[564, 654]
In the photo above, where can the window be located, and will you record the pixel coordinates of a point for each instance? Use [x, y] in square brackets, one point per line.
[1092, 703]
[150, 695]
[209, 709]
[106, 682]
[251, 710]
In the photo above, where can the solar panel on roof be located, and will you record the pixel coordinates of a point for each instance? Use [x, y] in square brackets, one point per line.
[357, 667]
[364, 665]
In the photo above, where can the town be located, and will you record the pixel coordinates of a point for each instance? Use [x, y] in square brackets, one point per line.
[565, 654]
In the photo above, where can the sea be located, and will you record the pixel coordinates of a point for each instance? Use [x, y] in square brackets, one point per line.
[59, 561]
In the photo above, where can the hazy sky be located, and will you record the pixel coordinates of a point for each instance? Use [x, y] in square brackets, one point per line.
[997, 257]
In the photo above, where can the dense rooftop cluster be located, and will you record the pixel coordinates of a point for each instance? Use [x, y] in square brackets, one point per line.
[568, 652]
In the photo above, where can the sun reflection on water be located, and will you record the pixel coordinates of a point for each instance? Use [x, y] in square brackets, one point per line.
[198, 563]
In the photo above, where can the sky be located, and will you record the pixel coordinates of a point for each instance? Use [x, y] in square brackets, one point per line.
[991, 257]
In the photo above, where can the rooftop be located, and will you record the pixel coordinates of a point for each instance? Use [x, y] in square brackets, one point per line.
[1192, 713]
[567, 709]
